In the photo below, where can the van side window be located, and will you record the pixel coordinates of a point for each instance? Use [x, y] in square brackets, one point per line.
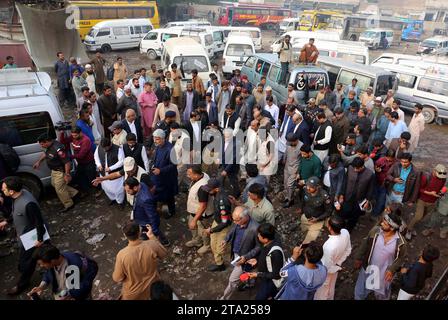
[250, 62]
[363, 81]
[103, 32]
[273, 74]
[406, 80]
[121, 31]
[137, 29]
[262, 67]
[146, 29]
[166, 36]
[23, 129]
[433, 86]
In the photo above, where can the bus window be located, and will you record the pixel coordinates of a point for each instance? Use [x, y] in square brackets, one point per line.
[108, 13]
[89, 13]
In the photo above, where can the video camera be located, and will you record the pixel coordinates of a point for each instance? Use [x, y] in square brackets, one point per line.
[63, 125]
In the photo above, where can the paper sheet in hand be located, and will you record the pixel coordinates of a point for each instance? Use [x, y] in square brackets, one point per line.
[29, 239]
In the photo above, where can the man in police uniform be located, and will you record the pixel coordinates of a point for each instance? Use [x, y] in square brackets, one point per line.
[315, 207]
[222, 219]
[59, 163]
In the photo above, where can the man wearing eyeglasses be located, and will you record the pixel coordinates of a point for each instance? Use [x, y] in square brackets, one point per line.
[431, 186]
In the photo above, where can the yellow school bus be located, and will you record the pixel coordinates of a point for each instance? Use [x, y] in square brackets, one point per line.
[311, 20]
[92, 12]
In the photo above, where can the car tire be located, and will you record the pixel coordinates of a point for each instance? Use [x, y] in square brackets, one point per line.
[32, 184]
[105, 48]
[152, 55]
[429, 114]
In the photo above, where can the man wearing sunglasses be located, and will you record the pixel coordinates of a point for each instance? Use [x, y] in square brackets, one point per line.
[431, 186]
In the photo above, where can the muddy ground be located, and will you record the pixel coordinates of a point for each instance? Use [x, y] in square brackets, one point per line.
[183, 268]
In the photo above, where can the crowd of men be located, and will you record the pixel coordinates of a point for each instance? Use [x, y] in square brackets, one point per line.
[142, 139]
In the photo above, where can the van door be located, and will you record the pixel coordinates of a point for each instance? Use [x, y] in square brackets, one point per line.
[135, 35]
[121, 38]
[104, 37]
[279, 90]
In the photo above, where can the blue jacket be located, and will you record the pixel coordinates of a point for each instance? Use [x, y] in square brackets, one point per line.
[301, 283]
[88, 270]
[290, 127]
[381, 128]
[166, 181]
[87, 130]
[303, 132]
[145, 209]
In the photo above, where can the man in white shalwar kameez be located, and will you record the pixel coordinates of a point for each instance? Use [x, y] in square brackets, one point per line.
[416, 127]
[113, 188]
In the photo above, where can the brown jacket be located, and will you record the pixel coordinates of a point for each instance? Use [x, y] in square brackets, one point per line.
[412, 187]
[198, 85]
[136, 268]
[98, 65]
[365, 250]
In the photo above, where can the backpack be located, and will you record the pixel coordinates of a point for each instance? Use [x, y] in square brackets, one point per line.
[277, 282]
[110, 73]
[10, 158]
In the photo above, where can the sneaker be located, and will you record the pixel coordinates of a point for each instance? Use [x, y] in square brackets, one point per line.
[408, 235]
[216, 267]
[427, 232]
[194, 243]
[204, 249]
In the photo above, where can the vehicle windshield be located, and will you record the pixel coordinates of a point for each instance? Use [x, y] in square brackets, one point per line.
[369, 34]
[336, 23]
[239, 50]
[92, 32]
[188, 63]
[284, 23]
[430, 44]
[306, 20]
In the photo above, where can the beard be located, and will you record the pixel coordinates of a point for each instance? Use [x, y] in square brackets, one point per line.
[90, 72]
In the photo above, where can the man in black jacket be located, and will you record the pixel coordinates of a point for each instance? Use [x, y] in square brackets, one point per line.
[358, 193]
[243, 238]
[269, 262]
[131, 124]
[26, 216]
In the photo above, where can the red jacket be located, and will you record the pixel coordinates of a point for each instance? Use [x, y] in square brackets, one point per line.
[431, 184]
[82, 148]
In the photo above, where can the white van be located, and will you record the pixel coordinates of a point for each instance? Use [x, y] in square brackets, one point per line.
[347, 50]
[117, 34]
[202, 35]
[27, 110]
[427, 87]
[188, 23]
[298, 36]
[188, 54]
[289, 24]
[254, 32]
[152, 42]
[437, 45]
[377, 38]
[238, 48]
[432, 64]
